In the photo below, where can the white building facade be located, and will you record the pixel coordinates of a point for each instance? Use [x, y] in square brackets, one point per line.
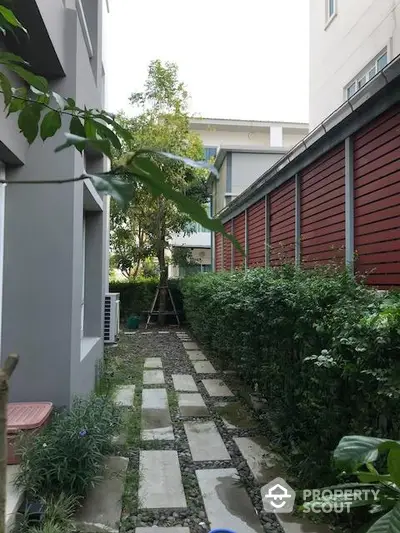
[350, 42]
[242, 151]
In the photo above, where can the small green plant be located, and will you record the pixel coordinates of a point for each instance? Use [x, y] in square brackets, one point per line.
[57, 517]
[67, 456]
[357, 455]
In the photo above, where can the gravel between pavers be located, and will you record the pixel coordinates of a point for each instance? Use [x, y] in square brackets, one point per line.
[175, 361]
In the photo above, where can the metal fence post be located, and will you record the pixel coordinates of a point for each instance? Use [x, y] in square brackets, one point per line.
[267, 232]
[349, 202]
[297, 227]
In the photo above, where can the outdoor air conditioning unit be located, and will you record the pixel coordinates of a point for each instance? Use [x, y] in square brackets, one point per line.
[111, 318]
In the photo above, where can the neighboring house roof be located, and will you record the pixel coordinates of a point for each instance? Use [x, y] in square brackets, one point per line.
[239, 124]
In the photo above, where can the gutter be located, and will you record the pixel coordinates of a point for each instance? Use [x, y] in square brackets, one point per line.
[333, 130]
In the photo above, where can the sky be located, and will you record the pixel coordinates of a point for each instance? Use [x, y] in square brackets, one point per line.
[243, 59]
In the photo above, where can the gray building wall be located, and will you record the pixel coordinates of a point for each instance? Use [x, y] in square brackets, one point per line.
[43, 275]
[238, 170]
[247, 167]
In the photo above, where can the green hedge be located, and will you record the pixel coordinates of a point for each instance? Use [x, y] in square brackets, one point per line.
[321, 348]
[137, 296]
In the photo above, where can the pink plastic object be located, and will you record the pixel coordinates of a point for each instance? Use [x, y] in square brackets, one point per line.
[24, 417]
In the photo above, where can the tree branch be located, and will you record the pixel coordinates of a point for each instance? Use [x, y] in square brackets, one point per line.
[26, 182]
[42, 104]
[78, 112]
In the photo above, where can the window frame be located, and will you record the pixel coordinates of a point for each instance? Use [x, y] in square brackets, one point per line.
[210, 148]
[366, 73]
[329, 16]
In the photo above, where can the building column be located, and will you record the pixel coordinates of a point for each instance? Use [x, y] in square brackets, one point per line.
[349, 203]
[276, 136]
[2, 209]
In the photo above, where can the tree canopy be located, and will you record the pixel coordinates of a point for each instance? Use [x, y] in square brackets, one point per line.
[160, 122]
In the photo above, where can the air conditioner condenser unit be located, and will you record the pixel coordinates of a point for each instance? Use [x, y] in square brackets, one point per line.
[111, 317]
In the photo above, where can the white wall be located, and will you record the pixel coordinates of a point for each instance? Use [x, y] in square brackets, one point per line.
[246, 168]
[239, 138]
[340, 50]
[202, 238]
[291, 139]
[279, 138]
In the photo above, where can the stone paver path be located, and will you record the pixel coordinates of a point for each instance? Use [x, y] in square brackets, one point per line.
[202, 459]
[124, 395]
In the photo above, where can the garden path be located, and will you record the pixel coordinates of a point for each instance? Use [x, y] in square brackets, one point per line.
[200, 459]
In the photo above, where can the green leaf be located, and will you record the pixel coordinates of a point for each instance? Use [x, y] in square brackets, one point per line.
[61, 102]
[393, 463]
[38, 82]
[106, 133]
[381, 525]
[122, 132]
[118, 189]
[102, 145]
[9, 16]
[389, 523]
[76, 127]
[90, 128]
[186, 160]
[18, 102]
[28, 122]
[5, 88]
[8, 57]
[372, 477]
[71, 103]
[354, 451]
[51, 123]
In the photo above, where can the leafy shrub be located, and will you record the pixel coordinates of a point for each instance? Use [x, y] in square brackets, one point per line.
[358, 456]
[320, 347]
[137, 296]
[67, 456]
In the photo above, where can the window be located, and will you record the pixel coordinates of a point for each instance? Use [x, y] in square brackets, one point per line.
[367, 74]
[330, 10]
[195, 227]
[382, 61]
[209, 152]
[351, 89]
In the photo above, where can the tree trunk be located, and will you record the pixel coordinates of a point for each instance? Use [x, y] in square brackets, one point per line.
[161, 262]
[136, 271]
[5, 374]
[163, 284]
